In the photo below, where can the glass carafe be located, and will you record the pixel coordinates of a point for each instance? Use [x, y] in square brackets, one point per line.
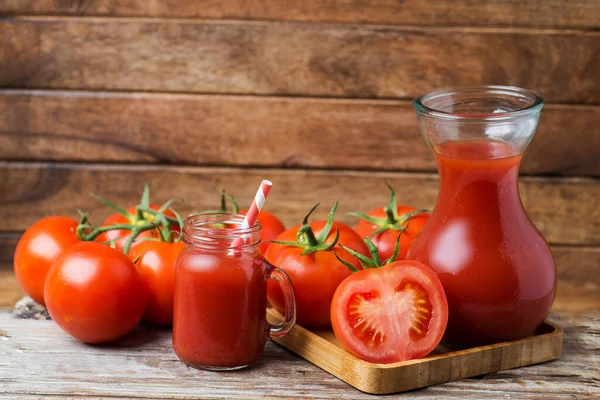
[496, 268]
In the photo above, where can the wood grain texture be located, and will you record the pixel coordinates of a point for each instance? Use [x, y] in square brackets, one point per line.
[322, 348]
[143, 365]
[550, 13]
[292, 58]
[565, 210]
[294, 132]
[577, 299]
[10, 291]
[8, 243]
[578, 265]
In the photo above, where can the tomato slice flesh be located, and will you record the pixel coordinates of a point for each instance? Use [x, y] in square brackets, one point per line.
[390, 314]
[365, 311]
[417, 308]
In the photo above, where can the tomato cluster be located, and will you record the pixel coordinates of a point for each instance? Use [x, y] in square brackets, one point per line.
[381, 307]
[83, 274]
[98, 282]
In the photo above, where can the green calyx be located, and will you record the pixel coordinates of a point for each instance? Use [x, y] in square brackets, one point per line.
[163, 223]
[235, 209]
[392, 220]
[144, 219]
[306, 239]
[375, 260]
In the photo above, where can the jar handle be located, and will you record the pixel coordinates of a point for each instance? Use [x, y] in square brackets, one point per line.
[289, 319]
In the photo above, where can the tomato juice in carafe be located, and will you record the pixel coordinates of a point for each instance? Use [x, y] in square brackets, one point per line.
[496, 268]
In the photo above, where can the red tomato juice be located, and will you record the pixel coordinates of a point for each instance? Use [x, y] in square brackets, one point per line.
[496, 268]
[219, 310]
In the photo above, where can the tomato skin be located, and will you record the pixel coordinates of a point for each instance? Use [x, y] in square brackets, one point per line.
[271, 228]
[386, 240]
[156, 265]
[39, 246]
[315, 276]
[120, 236]
[95, 293]
[406, 284]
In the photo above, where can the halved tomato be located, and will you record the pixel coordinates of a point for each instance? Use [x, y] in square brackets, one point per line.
[393, 313]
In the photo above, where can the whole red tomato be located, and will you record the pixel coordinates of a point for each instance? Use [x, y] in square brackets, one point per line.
[308, 258]
[155, 262]
[119, 236]
[95, 293]
[39, 246]
[271, 228]
[383, 225]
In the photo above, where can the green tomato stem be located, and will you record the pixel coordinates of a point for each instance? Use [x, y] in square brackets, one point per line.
[135, 233]
[307, 236]
[145, 200]
[155, 213]
[114, 207]
[101, 229]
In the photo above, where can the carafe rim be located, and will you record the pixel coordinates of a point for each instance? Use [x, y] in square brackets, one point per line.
[534, 103]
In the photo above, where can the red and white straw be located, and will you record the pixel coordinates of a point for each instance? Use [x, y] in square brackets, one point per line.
[254, 210]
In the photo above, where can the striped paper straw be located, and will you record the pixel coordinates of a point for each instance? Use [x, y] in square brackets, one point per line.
[255, 207]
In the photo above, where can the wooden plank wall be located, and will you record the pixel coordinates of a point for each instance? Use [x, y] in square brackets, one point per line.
[103, 95]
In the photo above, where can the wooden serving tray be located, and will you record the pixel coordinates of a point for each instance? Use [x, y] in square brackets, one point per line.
[321, 348]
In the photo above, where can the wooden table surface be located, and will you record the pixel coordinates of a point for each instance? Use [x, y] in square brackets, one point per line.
[98, 96]
[38, 360]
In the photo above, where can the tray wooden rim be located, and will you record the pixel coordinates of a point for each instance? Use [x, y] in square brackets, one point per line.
[435, 369]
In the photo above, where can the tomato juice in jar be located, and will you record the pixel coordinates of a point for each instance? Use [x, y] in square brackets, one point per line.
[496, 268]
[220, 295]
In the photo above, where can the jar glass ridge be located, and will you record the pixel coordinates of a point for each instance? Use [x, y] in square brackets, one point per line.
[213, 231]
